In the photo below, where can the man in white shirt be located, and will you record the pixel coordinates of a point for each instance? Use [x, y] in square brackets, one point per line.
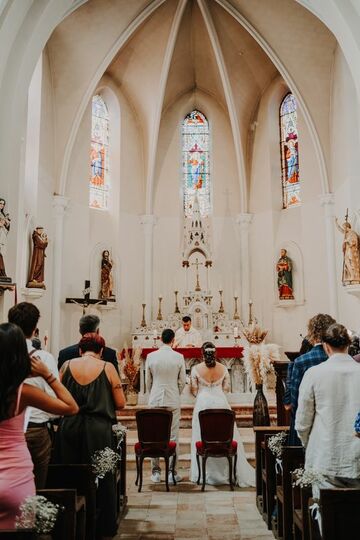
[165, 380]
[329, 399]
[187, 336]
[26, 316]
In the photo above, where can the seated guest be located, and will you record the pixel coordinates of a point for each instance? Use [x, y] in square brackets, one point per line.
[97, 389]
[187, 336]
[16, 467]
[87, 325]
[26, 316]
[329, 400]
[316, 328]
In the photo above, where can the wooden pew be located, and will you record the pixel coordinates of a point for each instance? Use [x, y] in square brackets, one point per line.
[293, 457]
[340, 515]
[265, 471]
[121, 480]
[300, 501]
[13, 534]
[81, 478]
[70, 523]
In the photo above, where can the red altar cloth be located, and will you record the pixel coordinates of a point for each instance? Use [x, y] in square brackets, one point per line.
[195, 352]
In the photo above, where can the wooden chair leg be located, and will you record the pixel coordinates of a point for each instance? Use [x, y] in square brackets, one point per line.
[229, 458]
[167, 473]
[235, 464]
[141, 461]
[198, 465]
[203, 472]
[137, 470]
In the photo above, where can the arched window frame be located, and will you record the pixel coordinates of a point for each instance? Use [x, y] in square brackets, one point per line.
[99, 183]
[289, 152]
[196, 180]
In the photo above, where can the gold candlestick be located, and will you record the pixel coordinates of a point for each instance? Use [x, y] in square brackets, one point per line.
[177, 310]
[143, 321]
[250, 312]
[221, 308]
[236, 315]
[159, 316]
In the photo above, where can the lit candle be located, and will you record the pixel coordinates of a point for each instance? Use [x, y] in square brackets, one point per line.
[236, 331]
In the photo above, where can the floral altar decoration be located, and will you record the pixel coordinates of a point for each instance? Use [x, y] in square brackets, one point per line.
[131, 370]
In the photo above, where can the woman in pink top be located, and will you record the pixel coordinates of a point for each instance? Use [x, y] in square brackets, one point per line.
[16, 468]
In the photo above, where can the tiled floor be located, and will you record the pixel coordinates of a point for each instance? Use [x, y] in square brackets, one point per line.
[185, 512]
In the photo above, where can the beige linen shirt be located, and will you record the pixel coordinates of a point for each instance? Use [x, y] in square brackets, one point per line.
[165, 377]
[329, 400]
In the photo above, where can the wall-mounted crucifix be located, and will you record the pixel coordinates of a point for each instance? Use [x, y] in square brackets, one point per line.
[86, 301]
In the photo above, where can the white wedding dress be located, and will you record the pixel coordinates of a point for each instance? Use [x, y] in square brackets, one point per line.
[212, 396]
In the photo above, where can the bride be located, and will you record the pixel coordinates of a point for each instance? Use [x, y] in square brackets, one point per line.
[209, 382]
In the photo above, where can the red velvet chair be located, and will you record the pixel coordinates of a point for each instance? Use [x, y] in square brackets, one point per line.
[154, 428]
[217, 430]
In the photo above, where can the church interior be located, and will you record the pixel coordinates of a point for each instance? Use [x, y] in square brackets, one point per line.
[172, 158]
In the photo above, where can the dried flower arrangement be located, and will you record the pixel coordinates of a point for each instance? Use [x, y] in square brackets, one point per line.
[132, 365]
[259, 364]
[253, 332]
[307, 477]
[103, 462]
[277, 442]
[38, 513]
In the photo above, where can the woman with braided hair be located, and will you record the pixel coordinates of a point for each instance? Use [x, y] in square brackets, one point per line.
[210, 381]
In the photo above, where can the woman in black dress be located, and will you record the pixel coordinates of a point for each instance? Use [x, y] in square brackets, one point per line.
[96, 387]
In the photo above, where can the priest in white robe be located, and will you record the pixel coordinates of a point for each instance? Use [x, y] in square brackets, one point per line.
[187, 336]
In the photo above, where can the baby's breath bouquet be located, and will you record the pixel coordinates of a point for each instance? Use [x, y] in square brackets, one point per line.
[119, 431]
[277, 442]
[307, 477]
[103, 462]
[38, 513]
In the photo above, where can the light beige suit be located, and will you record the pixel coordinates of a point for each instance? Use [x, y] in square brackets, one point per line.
[165, 380]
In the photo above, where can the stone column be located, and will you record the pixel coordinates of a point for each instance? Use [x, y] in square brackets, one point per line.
[244, 221]
[59, 205]
[148, 221]
[327, 202]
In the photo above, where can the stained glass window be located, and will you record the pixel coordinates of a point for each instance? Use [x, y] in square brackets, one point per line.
[289, 152]
[195, 162]
[99, 155]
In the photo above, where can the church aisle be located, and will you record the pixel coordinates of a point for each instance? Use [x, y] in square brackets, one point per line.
[185, 512]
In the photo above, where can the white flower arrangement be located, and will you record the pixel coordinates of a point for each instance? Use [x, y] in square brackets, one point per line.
[276, 443]
[38, 513]
[103, 462]
[119, 431]
[307, 477]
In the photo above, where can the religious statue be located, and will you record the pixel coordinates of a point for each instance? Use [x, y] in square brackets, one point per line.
[351, 254]
[106, 276]
[36, 274]
[284, 272]
[4, 230]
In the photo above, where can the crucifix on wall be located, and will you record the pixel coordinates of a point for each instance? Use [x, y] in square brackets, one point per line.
[86, 301]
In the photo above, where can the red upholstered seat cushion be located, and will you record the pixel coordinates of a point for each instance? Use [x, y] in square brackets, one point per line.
[138, 449]
[216, 447]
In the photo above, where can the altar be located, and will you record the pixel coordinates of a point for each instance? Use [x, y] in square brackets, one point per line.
[231, 357]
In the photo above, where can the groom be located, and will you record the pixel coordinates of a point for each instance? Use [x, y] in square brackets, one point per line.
[165, 380]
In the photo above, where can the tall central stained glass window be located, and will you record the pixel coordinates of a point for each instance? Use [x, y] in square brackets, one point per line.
[195, 163]
[99, 155]
[289, 152]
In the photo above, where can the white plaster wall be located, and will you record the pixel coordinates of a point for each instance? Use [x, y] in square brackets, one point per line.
[345, 166]
[168, 272]
[274, 227]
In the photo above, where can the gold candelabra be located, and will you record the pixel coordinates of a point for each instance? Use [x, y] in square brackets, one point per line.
[221, 308]
[236, 314]
[143, 321]
[177, 310]
[159, 316]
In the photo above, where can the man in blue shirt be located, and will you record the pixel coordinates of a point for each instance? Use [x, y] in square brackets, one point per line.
[317, 326]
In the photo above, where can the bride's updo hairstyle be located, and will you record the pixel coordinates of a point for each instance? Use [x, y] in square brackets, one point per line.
[337, 336]
[209, 353]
